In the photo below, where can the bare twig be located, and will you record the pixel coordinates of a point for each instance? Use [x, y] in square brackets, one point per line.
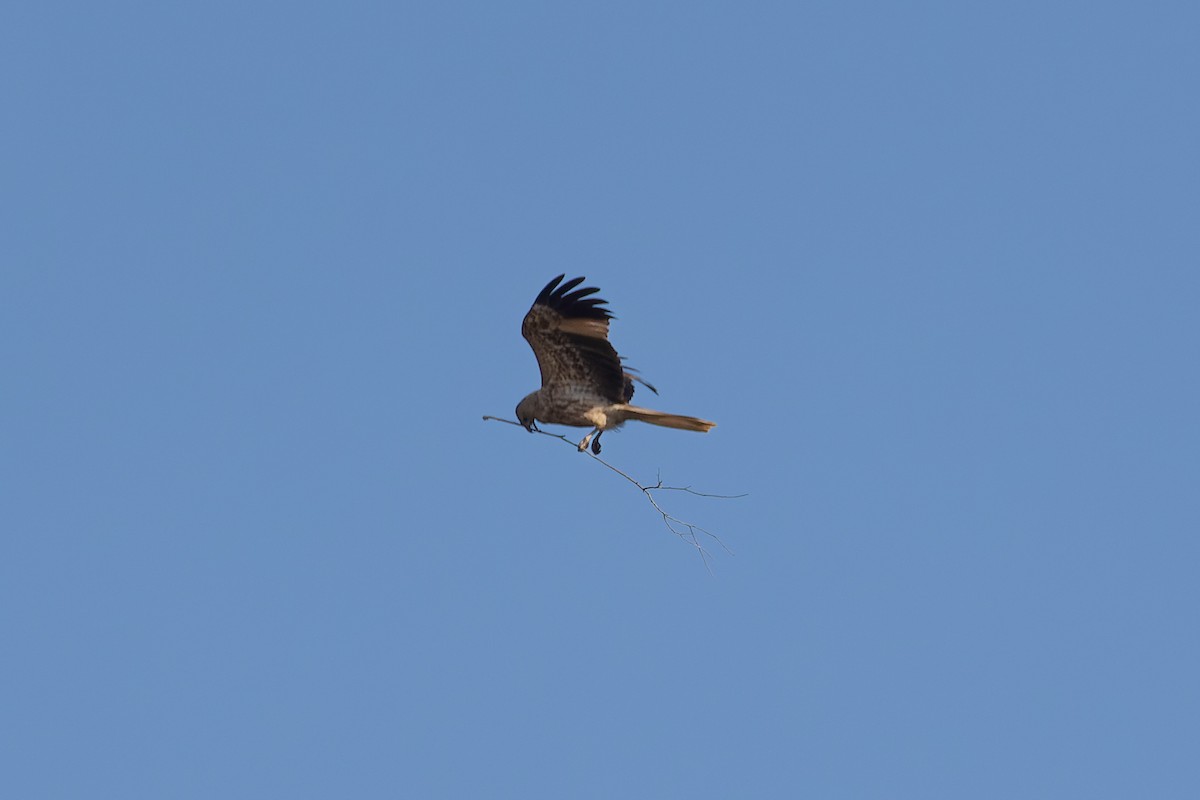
[687, 531]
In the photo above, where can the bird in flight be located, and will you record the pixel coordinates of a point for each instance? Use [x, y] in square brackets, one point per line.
[584, 383]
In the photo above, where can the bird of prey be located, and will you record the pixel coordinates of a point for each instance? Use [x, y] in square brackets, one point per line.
[584, 383]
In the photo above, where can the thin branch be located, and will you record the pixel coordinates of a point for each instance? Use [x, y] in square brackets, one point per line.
[687, 531]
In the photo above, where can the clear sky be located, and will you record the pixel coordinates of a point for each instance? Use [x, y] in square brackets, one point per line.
[933, 268]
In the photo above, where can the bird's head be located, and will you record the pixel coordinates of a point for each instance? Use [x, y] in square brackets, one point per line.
[526, 412]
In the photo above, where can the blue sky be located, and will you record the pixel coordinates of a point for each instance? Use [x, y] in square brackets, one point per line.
[933, 268]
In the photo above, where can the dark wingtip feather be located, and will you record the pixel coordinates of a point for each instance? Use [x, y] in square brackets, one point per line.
[569, 285]
[573, 304]
[545, 292]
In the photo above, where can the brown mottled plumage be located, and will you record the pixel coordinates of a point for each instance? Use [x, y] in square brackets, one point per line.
[583, 381]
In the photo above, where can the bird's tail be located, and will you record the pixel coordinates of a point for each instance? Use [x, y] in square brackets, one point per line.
[668, 420]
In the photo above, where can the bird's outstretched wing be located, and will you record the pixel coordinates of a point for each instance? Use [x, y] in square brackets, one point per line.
[568, 331]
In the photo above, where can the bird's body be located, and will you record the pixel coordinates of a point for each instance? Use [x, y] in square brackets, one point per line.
[583, 381]
[567, 405]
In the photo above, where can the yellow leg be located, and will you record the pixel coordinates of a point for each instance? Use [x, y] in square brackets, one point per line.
[583, 445]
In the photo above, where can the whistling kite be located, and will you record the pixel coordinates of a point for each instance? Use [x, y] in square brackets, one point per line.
[583, 381]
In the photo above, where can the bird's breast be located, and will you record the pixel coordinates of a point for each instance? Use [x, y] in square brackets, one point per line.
[571, 405]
